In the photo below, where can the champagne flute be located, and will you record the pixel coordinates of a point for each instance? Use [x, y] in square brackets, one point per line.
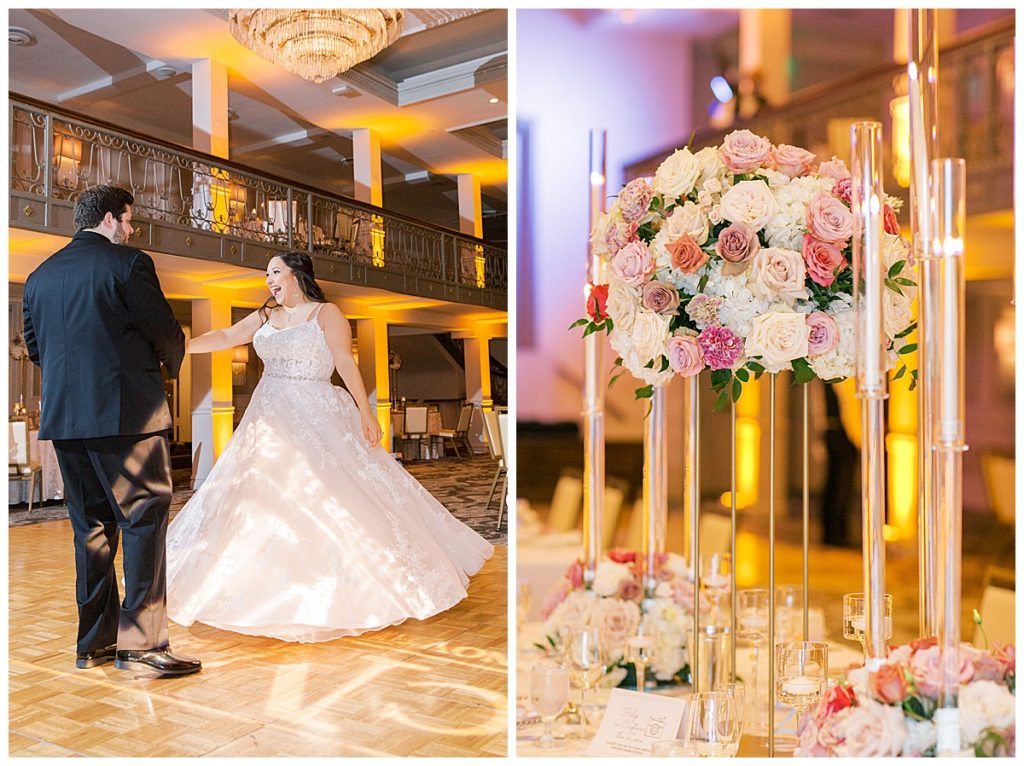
[854, 617]
[738, 693]
[549, 691]
[801, 674]
[585, 654]
[711, 724]
[639, 650]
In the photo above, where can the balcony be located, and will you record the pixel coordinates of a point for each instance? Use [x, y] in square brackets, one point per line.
[199, 206]
[976, 75]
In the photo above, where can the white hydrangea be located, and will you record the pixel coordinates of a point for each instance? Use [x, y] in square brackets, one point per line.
[984, 705]
[920, 737]
[841, 361]
[607, 577]
[740, 306]
[577, 609]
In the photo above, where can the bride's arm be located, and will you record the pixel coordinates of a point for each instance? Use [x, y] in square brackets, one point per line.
[338, 334]
[218, 340]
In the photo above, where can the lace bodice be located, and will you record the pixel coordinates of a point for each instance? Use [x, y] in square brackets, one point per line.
[297, 353]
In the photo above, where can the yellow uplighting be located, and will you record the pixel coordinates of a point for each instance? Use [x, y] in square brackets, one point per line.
[488, 171]
[748, 447]
[747, 560]
[481, 276]
[377, 240]
[390, 127]
[899, 108]
[902, 490]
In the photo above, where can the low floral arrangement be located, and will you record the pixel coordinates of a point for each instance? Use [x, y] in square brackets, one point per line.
[895, 716]
[18, 349]
[615, 602]
[737, 259]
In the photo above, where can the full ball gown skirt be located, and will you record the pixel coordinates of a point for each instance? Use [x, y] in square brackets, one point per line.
[301, 531]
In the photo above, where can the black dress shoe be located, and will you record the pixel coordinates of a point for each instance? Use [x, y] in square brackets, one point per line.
[156, 662]
[97, 657]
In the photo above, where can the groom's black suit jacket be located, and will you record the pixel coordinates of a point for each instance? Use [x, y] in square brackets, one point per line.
[97, 323]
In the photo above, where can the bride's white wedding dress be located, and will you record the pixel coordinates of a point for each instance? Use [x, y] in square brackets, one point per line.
[301, 531]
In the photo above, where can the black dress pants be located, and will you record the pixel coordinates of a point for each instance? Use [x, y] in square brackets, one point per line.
[119, 485]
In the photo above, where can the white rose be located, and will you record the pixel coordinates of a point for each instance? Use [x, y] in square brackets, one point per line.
[677, 175]
[872, 730]
[664, 590]
[618, 620]
[778, 338]
[920, 737]
[622, 343]
[622, 303]
[575, 611]
[667, 661]
[898, 314]
[895, 248]
[607, 577]
[685, 219]
[676, 564]
[778, 274]
[598, 244]
[749, 202]
[650, 334]
[711, 164]
[984, 705]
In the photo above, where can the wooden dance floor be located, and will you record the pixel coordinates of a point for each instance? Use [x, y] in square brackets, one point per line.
[433, 688]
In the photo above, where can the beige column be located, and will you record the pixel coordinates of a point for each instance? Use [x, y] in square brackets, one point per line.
[366, 159]
[210, 107]
[765, 51]
[901, 35]
[372, 346]
[213, 408]
[470, 217]
[477, 356]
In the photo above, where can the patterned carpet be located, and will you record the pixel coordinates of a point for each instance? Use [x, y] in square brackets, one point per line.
[459, 485]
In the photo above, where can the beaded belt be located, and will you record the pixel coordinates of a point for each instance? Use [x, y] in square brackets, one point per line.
[294, 377]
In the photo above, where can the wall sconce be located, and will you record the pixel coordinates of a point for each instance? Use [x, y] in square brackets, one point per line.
[377, 239]
[236, 202]
[67, 156]
[899, 109]
[239, 365]
[481, 275]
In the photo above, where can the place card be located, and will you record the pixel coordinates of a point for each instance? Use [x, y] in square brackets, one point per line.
[633, 722]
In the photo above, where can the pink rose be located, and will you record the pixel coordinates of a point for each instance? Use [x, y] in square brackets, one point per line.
[891, 224]
[633, 264]
[889, 684]
[575, 574]
[737, 243]
[923, 643]
[824, 333]
[635, 199]
[686, 254]
[828, 219]
[742, 151]
[562, 589]
[927, 672]
[834, 168]
[987, 668]
[682, 595]
[837, 698]
[871, 730]
[622, 555]
[1007, 655]
[597, 302]
[661, 297]
[791, 160]
[619, 234]
[629, 590]
[823, 259]
[684, 355]
[844, 190]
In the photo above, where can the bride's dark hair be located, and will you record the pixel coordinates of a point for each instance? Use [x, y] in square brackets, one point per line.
[301, 266]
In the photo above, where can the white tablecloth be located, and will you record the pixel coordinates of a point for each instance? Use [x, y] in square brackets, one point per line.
[53, 484]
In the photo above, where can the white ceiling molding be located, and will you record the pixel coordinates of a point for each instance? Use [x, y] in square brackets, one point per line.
[423, 87]
[137, 77]
[421, 19]
[298, 137]
[481, 135]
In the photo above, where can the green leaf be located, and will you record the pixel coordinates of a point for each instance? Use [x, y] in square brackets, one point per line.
[664, 364]
[720, 378]
[742, 374]
[737, 389]
[900, 373]
[578, 323]
[893, 286]
[650, 365]
[608, 326]
[614, 378]
[908, 349]
[757, 368]
[591, 328]
[618, 361]
[703, 282]
[645, 392]
[905, 282]
[802, 371]
[896, 268]
[910, 328]
[721, 401]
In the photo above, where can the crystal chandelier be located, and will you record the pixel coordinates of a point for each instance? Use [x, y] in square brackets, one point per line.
[316, 44]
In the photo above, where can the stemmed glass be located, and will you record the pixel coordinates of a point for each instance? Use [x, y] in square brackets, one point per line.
[585, 655]
[714, 576]
[789, 601]
[854, 617]
[801, 673]
[639, 650]
[711, 724]
[549, 691]
[737, 693]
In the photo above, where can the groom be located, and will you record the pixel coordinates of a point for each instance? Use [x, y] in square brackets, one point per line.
[98, 325]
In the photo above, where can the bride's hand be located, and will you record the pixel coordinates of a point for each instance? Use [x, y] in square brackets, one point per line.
[371, 428]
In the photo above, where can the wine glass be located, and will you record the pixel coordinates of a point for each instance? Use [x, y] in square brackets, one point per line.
[738, 693]
[585, 655]
[639, 650]
[711, 724]
[854, 617]
[801, 674]
[714, 576]
[549, 691]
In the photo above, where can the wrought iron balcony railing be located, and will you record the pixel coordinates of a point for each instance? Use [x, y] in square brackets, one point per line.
[976, 86]
[196, 205]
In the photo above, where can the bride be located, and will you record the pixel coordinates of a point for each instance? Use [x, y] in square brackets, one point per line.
[307, 529]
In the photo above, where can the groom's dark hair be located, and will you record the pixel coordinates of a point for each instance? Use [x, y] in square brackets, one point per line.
[95, 202]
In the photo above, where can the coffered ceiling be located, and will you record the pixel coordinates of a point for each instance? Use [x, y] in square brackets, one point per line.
[429, 96]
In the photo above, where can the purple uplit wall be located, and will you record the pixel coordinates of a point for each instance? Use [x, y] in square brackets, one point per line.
[579, 70]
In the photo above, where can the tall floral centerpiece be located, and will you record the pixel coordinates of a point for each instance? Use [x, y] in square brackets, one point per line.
[737, 259]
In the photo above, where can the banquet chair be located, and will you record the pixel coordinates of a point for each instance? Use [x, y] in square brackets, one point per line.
[615, 491]
[461, 431]
[566, 503]
[502, 434]
[1000, 472]
[997, 609]
[495, 447]
[196, 456]
[414, 429]
[21, 465]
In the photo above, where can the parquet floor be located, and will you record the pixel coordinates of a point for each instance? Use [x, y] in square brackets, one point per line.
[431, 688]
